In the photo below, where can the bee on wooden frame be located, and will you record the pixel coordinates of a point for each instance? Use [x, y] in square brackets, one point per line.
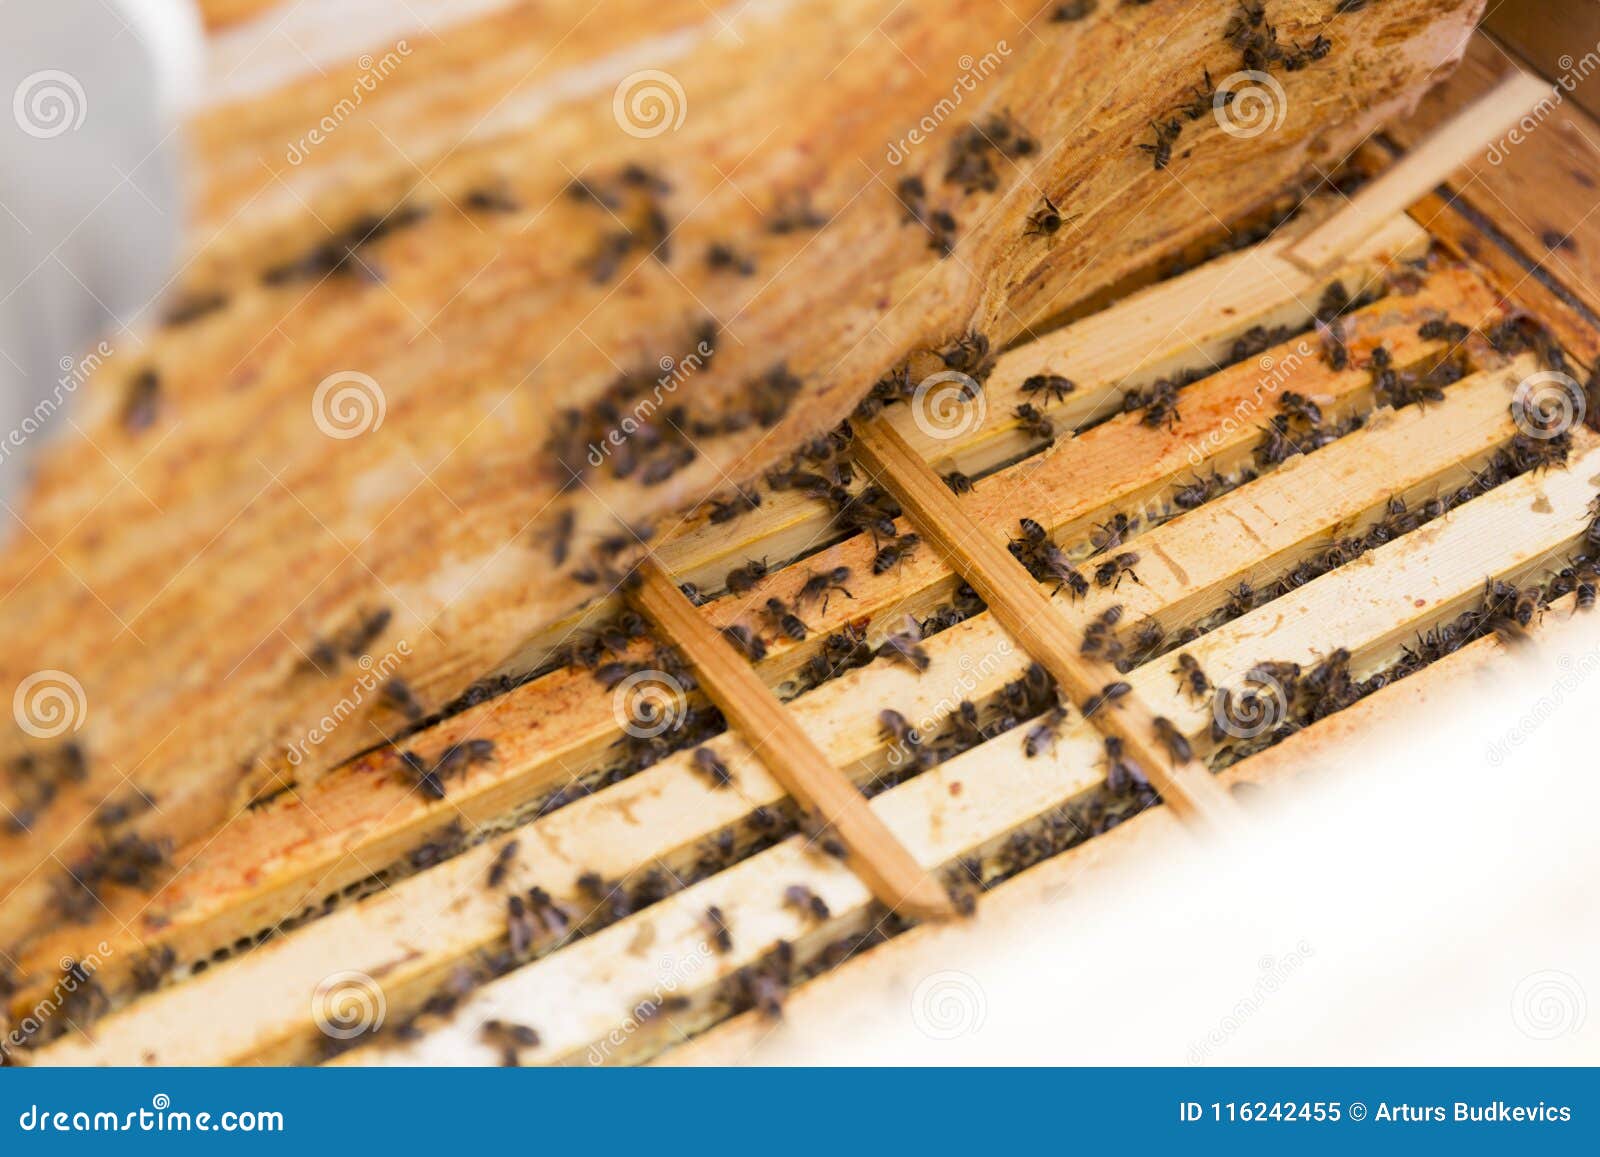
[711, 766]
[783, 620]
[822, 584]
[907, 646]
[1052, 387]
[1111, 693]
[895, 553]
[1166, 136]
[742, 580]
[1173, 740]
[1044, 734]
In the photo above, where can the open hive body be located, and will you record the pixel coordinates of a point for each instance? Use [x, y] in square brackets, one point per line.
[635, 967]
[566, 881]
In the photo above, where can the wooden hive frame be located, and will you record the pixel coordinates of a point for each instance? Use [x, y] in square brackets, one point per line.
[711, 897]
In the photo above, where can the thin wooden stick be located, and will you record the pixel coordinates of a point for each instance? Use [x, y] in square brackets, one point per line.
[975, 552]
[882, 862]
[1445, 150]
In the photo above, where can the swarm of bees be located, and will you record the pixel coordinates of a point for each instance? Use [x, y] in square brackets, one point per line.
[457, 757]
[128, 860]
[939, 224]
[1046, 561]
[633, 197]
[344, 253]
[659, 441]
[35, 779]
[353, 641]
[534, 918]
[971, 164]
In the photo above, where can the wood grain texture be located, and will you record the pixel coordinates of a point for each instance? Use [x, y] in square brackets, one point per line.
[1540, 187]
[1323, 749]
[183, 573]
[978, 554]
[295, 851]
[416, 932]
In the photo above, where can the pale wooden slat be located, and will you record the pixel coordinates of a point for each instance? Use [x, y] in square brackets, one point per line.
[1408, 584]
[1185, 323]
[1016, 600]
[1258, 530]
[1467, 133]
[291, 854]
[1322, 748]
[789, 752]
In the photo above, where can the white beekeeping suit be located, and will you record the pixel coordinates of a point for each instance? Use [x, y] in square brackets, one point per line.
[91, 93]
